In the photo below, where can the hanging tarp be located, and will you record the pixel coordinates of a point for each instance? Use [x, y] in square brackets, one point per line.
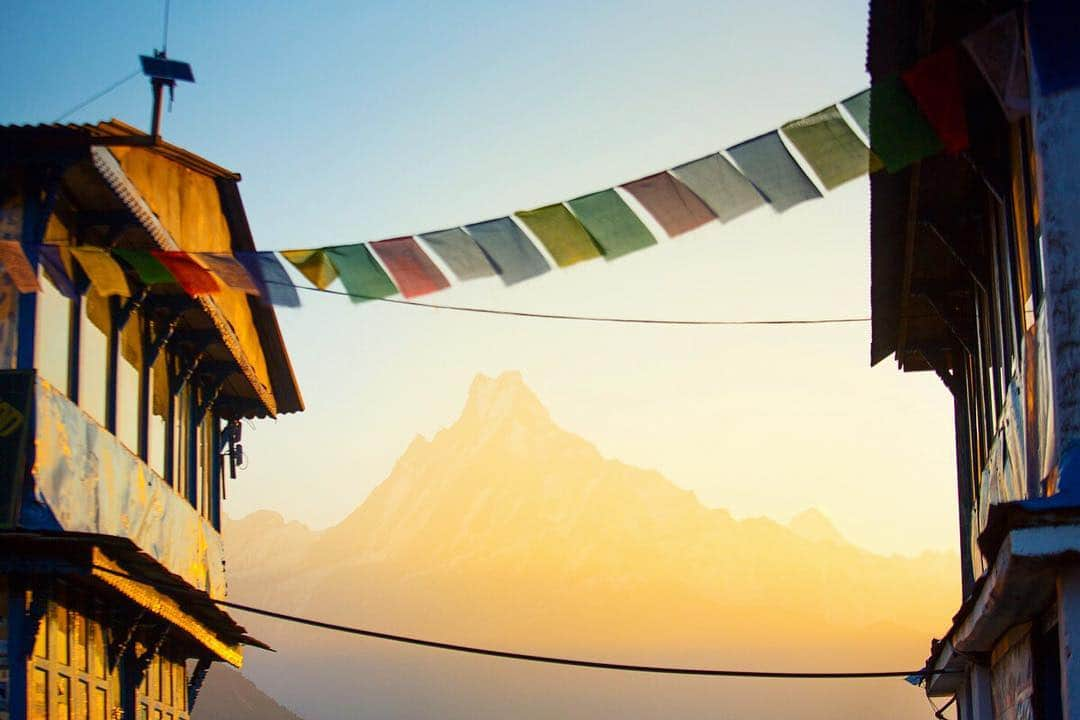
[611, 223]
[671, 203]
[831, 148]
[1054, 29]
[768, 164]
[508, 249]
[410, 268]
[460, 253]
[565, 238]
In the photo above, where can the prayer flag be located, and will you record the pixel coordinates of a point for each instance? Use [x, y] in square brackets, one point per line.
[270, 278]
[55, 264]
[105, 274]
[669, 201]
[899, 134]
[934, 82]
[561, 233]
[360, 273]
[767, 163]
[998, 51]
[193, 277]
[18, 267]
[229, 271]
[858, 106]
[612, 224]
[1054, 26]
[509, 250]
[724, 189]
[409, 266]
[460, 253]
[312, 264]
[829, 146]
[149, 269]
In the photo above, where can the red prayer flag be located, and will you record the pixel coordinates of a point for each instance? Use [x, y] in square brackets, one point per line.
[934, 82]
[193, 277]
[411, 268]
[19, 269]
[674, 206]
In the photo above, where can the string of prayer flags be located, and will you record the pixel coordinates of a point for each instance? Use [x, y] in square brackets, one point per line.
[412, 270]
[1054, 26]
[565, 238]
[14, 261]
[830, 147]
[858, 107]
[270, 278]
[360, 273]
[105, 274]
[671, 203]
[230, 272]
[193, 277]
[611, 223]
[52, 259]
[720, 185]
[934, 82]
[460, 253]
[148, 268]
[899, 134]
[312, 264]
[509, 250]
[998, 51]
[769, 166]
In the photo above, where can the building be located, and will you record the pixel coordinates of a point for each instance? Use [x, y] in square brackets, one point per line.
[975, 258]
[119, 418]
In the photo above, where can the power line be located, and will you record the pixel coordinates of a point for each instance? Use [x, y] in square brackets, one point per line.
[99, 95]
[545, 659]
[580, 318]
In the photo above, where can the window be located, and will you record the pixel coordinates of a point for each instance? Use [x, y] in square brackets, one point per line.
[94, 323]
[68, 676]
[181, 477]
[52, 335]
[162, 695]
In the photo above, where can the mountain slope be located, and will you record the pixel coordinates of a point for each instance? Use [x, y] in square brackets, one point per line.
[506, 530]
[228, 695]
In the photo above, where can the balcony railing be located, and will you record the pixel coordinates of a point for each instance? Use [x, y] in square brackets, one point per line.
[82, 479]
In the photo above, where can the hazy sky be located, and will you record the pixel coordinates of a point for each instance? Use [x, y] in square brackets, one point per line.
[360, 121]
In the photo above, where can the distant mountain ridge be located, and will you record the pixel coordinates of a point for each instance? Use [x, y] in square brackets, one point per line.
[506, 530]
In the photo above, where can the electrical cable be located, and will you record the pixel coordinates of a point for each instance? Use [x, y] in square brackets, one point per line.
[509, 655]
[580, 318]
[99, 95]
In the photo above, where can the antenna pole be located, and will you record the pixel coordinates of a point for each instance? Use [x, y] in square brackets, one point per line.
[155, 126]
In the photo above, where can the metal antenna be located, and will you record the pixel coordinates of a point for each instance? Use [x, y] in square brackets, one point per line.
[165, 31]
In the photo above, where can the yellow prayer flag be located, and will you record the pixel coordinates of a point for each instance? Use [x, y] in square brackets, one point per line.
[106, 275]
[314, 265]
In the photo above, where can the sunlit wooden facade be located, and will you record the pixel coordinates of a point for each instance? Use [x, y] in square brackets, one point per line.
[117, 419]
[975, 269]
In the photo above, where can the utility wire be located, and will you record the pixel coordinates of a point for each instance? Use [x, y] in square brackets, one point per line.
[580, 318]
[546, 659]
[99, 95]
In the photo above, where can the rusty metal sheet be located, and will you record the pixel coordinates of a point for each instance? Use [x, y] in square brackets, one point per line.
[85, 480]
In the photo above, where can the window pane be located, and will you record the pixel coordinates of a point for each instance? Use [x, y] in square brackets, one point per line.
[41, 639]
[97, 650]
[82, 702]
[63, 697]
[39, 697]
[93, 355]
[100, 709]
[78, 642]
[52, 335]
[127, 404]
[159, 415]
[60, 634]
[179, 686]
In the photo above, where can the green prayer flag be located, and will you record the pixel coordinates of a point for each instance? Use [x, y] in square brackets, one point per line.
[360, 273]
[561, 233]
[899, 134]
[611, 223]
[830, 146]
[149, 269]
